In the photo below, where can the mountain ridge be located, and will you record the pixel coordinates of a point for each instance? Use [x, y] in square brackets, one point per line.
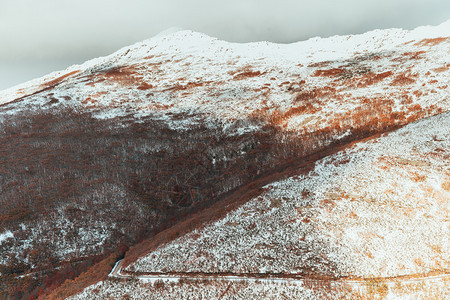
[8, 94]
[104, 155]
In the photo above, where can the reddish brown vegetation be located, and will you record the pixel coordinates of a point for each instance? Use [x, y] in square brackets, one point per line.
[145, 86]
[122, 75]
[94, 274]
[58, 80]
[247, 74]
[43, 87]
[403, 79]
[442, 69]
[40, 282]
[372, 78]
[330, 72]
[414, 55]
[303, 109]
[93, 83]
[431, 42]
[125, 76]
[283, 83]
[314, 94]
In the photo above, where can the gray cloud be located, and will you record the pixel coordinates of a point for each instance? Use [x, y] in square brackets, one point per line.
[76, 30]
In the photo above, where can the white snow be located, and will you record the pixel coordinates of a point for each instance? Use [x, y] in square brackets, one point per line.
[6, 235]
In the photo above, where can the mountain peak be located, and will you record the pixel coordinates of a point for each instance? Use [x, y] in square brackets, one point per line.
[168, 31]
[176, 43]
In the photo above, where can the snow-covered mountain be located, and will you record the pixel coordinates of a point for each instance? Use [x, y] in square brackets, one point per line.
[191, 73]
[368, 222]
[283, 142]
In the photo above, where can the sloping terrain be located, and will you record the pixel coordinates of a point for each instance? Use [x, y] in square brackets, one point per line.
[222, 289]
[103, 155]
[378, 209]
[367, 222]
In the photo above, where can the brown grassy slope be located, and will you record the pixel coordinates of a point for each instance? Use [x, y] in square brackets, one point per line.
[96, 273]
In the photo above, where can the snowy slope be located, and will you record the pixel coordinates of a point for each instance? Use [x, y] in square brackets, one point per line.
[379, 209]
[210, 116]
[313, 50]
[306, 84]
[287, 289]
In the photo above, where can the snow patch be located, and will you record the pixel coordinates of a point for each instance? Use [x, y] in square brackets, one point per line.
[6, 235]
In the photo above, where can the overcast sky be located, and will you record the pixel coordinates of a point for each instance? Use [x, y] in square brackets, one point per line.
[40, 36]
